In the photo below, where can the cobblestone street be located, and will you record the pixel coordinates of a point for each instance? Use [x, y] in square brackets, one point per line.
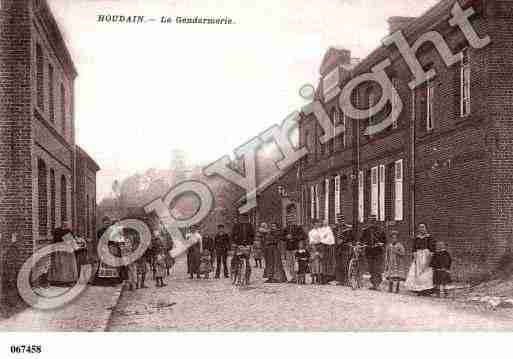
[89, 312]
[199, 305]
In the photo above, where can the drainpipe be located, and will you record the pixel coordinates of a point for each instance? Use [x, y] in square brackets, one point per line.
[412, 165]
[356, 170]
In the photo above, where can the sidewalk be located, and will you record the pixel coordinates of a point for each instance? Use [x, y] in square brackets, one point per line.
[91, 311]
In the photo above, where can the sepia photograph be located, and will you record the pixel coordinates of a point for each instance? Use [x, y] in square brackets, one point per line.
[299, 166]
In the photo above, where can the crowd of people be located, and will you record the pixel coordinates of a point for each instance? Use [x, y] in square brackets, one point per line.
[322, 255]
[288, 254]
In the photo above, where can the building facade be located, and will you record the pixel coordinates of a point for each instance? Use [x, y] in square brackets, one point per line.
[40, 163]
[446, 161]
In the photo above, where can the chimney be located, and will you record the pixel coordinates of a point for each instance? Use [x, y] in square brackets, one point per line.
[334, 57]
[396, 23]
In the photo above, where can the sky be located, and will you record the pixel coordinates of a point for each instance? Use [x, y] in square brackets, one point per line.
[145, 89]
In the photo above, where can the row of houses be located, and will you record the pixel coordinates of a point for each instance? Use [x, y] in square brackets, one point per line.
[448, 159]
[46, 179]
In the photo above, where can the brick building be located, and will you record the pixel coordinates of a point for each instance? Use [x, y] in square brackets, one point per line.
[46, 179]
[448, 159]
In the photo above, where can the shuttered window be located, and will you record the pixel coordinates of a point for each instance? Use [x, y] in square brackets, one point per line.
[360, 196]
[430, 95]
[312, 202]
[317, 202]
[465, 84]
[337, 198]
[398, 190]
[374, 192]
[327, 199]
[382, 192]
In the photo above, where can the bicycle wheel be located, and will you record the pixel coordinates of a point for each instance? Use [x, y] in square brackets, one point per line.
[354, 281]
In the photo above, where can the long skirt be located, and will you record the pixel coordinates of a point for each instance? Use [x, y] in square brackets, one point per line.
[268, 261]
[193, 260]
[132, 273]
[275, 267]
[328, 261]
[63, 268]
[343, 255]
[420, 275]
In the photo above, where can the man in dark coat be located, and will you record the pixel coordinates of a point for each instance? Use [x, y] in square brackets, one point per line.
[375, 239]
[221, 246]
[344, 237]
[292, 235]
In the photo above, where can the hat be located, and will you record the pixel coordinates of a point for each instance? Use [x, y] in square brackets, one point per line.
[263, 227]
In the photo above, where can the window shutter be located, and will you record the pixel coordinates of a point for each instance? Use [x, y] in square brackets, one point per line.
[374, 192]
[312, 202]
[337, 198]
[326, 199]
[317, 204]
[399, 190]
[382, 192]
[457, 86]
[360, 196]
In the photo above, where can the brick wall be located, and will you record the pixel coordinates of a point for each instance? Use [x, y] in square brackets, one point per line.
[462, 178]
[15, 147]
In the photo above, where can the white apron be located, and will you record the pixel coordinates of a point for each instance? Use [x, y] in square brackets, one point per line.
[420, 275]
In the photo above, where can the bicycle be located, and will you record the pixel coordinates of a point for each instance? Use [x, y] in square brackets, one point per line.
[242, 268]
[353, 272]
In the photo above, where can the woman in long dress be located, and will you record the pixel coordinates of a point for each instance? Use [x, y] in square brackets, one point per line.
[323, 235]
[420, 275]
[275, 271]
[263, 236]
[63, 267]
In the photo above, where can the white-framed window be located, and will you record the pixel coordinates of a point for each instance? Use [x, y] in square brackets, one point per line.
[430, 100]
[317, 203]
[327, 199]
[398, 181]
[382, 184]
[337, 197]
[312, 202]
[360, 196]
[374, 192]
[465, 84]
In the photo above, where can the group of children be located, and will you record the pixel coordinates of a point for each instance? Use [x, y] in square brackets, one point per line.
[394, 267]
[157, 262]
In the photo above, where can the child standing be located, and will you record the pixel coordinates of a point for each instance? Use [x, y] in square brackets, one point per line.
[258, 250]
[302, 257]
[394, 257]
[205, 264]
[315, 267]
[160, 270]
[441, 263]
